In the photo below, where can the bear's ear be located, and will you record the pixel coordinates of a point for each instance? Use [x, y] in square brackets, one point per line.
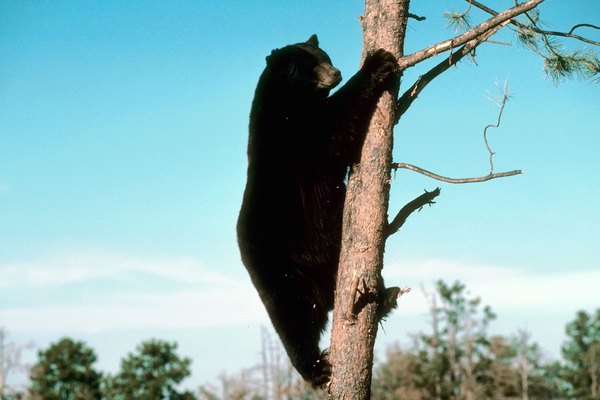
[270, 57]
[313, 41]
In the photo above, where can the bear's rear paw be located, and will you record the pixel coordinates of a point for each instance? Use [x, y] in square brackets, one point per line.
[388, 300]
[320, 371]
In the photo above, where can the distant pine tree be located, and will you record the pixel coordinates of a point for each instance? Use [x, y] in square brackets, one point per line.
[65, 372]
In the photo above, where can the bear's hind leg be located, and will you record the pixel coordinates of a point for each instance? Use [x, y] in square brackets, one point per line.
[299, 316]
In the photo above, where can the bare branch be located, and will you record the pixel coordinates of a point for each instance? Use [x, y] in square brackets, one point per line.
[582, 25]
[456, 180]
[505, 97]
[416, 17]
[541, 31]
[409, 98]
[412, 59]
[408, 209]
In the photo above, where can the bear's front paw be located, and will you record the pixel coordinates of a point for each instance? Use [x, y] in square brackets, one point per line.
[382, 65]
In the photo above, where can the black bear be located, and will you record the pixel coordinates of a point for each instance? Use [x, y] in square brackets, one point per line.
[301, 144]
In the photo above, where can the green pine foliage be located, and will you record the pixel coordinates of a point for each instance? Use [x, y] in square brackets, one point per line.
[153, 372]
[457, 21]
[581, 353]
[560, 66]
[65, 372]
[560, 63]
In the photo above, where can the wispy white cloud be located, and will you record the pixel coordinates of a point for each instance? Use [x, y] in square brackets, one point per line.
[192, 309]
[502, 287]
[78, 266]
[540, 302]
[185, 294]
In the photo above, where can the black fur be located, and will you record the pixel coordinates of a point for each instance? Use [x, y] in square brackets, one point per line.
[301, 144]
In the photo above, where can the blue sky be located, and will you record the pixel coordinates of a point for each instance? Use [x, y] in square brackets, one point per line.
[123, 130]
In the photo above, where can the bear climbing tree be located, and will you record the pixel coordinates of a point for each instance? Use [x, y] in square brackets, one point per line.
[298, 221]
[365, 226]
[301, 144]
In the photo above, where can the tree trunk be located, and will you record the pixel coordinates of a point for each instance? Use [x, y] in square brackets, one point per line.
[593, 369]
[365, 220]
[524, 364]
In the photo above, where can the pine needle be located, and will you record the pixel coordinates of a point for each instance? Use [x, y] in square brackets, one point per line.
[458, 21]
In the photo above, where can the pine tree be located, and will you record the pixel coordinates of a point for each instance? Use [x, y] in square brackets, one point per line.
[64, 372]
[151, 373]
[581, 352]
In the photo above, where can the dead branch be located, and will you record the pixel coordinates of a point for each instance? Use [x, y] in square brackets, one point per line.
[416, 17]
[582, 25]
[418, 203]
[456, 180]
[505, 97]
[409, 98]
[492, 23]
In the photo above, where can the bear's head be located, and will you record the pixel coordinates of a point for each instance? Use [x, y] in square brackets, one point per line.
[304, 68]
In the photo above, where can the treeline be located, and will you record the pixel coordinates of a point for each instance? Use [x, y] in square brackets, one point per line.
[65, 371]
[457, 359]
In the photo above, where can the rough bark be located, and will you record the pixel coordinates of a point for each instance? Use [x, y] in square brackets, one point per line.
[365, 220]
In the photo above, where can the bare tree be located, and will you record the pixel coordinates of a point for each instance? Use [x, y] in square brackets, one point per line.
[365, 226]
[10, 359]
